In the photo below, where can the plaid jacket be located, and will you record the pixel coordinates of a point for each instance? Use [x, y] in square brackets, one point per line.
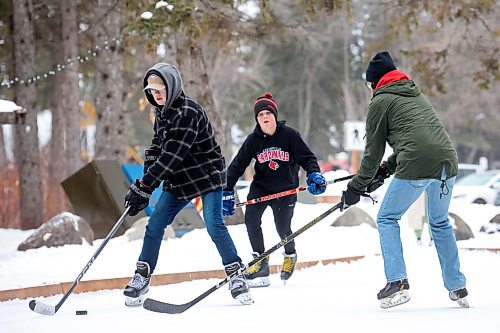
[190, 162]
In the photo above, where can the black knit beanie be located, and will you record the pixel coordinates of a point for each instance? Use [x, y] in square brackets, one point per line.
[266, 102]
[380, 65]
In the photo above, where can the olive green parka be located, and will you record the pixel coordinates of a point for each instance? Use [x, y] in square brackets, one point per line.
[401, 115]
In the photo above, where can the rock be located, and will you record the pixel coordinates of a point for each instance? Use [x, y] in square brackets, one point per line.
[490, 228]
[496, 219]
[62, 229]
[352, 217]
[137, 230]
[493, 226]
[462, 229]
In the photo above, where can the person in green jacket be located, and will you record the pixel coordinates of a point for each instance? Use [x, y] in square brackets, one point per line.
[424, 159]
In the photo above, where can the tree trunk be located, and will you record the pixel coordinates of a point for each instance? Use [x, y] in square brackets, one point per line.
[110, 124]
[70, 90]
[65, 140]
[307, 98]
[471, 156]
[3, 156]
[57, 167]
[26, 136]
[195, 79]
[313, 64]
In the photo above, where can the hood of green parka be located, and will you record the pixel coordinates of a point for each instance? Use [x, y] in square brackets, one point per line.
[401, 87]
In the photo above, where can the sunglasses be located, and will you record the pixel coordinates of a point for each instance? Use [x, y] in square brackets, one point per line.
[153, 91]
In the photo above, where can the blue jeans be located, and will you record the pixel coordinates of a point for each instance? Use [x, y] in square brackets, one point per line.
[168, 206]
[400, 195]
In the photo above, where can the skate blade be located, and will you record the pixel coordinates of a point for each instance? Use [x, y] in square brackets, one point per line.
[397, 298]
[463, 302]
[245, 298]
[259, 282]
[134, 301]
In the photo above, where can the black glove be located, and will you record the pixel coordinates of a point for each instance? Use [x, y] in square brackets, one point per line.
[137, 197]
[377, 181]
[152, 155]
[350, 197]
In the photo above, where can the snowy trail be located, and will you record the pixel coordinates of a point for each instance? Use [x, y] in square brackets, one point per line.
[331, 298]
[338, 298]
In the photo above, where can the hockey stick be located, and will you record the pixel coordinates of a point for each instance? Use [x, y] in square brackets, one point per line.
[46, 309]
[286, 193]
[162, 307]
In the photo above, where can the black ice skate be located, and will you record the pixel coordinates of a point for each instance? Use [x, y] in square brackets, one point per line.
[239, 285]
[394, 293]
[258, 274]
[135, 291]
[460, 296]
[288, 267]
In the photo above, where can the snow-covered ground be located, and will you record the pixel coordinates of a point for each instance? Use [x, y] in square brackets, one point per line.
[338, 298]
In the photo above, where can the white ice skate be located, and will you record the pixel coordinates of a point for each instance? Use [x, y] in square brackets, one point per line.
[398, 298]
[460, 296]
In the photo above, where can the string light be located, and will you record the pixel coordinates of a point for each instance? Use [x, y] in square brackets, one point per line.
[91, 53]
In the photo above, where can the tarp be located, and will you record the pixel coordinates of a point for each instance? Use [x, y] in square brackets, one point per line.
[188, 218]
[133, 172]
[97, 193]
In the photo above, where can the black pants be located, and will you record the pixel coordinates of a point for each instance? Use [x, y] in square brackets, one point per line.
[283, 213]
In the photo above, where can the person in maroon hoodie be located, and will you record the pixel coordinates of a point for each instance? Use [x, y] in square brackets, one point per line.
[278, 151]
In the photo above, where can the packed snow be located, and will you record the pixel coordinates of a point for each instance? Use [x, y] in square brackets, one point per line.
[332, 298]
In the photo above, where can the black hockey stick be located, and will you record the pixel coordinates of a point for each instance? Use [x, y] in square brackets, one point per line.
[158, 306]
[46, 309]
[288, 192]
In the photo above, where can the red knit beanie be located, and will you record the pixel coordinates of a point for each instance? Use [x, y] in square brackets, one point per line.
[266, 102]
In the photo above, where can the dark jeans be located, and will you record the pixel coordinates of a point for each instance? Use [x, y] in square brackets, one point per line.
[283, 213]
[168, 206]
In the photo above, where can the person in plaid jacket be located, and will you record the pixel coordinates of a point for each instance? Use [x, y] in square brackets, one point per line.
[186, 158]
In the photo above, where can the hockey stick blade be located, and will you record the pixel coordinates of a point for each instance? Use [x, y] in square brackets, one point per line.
[45, 309]
[163, 307]
[42, 308]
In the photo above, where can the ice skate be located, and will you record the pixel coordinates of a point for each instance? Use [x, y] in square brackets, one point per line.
[288, 267]
[460, 296]
[258, 274]
[239, 285]
[136, 290]
[394, 293]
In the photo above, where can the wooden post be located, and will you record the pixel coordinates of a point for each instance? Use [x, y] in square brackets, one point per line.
[355, 160]
[13, 118]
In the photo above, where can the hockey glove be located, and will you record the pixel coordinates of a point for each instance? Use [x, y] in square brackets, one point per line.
[152, 155]
[350, 197]
[227, 203]
[377, 181]
[137, 197]
[316, 183]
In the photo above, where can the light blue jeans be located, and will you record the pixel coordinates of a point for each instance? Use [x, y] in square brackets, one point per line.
[167, 207]
[400, 195]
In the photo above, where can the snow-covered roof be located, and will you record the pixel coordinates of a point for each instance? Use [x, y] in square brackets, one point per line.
[8, 106]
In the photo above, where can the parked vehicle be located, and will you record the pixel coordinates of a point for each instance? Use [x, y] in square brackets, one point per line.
[480, 188]
[465, 169]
